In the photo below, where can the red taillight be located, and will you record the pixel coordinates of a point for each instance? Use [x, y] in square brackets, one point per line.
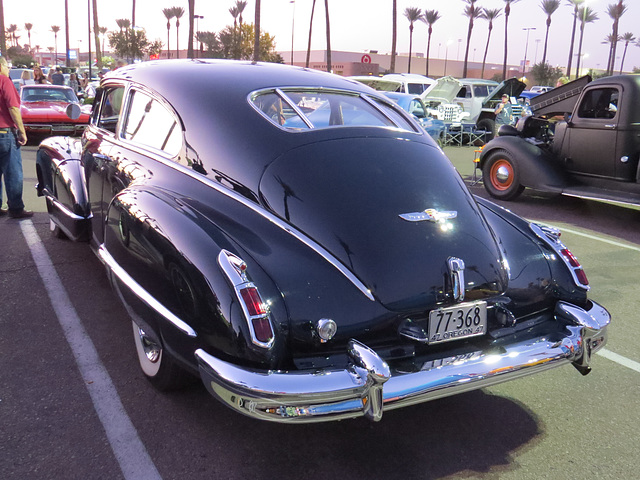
[573, 261]
[253, 302]
[262, 329]
[575, 264]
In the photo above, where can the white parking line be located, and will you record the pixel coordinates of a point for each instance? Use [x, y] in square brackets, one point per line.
[127, 447]
[600, 239]
[624, 361]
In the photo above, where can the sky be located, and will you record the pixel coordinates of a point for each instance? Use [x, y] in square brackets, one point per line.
[356, 25]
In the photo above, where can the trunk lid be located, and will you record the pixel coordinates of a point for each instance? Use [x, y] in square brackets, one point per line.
[348, 195]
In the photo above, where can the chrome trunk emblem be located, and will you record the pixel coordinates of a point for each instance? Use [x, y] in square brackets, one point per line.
[430, 215]
[456, 276]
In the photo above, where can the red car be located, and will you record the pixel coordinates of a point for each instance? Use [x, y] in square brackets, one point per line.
[44, 110]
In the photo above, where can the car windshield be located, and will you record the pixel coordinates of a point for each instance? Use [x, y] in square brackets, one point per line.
[48, 95]
[306, 109]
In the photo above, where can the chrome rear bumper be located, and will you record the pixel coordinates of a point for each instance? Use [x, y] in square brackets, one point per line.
[368, 386]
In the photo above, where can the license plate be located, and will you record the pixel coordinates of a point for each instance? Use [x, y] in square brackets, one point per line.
[460, 321]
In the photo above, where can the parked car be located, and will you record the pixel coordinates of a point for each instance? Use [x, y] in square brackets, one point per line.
[540, 89]
[306, 266]
[583, 140]
[481, 97]
[416, 107]
[44, 110]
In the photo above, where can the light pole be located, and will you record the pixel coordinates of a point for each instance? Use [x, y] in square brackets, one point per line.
[446, 56]
[293, 23]
[526, 45]
[197, 19]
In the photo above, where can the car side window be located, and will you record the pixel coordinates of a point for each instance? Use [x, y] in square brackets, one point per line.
[111, 104]
[599, 103]
[151, 124]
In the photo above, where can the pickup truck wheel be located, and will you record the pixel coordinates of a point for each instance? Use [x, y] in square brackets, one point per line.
[500, 176]
[157, 365]
[488, 126]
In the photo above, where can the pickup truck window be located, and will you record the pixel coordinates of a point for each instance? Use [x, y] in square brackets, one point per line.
[599, 103]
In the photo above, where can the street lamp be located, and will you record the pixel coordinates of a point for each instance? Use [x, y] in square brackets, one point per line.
[293, 22]
[526, 45]
[197, 19]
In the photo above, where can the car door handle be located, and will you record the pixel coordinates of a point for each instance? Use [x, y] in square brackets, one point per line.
[610, 126]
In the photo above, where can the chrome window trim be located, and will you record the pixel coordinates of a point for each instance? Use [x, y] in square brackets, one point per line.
[256, 209]
[282, 93]
[142, 293]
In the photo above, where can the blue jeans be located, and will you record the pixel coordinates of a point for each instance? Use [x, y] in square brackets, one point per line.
[11, 170]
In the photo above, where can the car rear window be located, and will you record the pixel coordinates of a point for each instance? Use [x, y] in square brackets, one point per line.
[307, 109]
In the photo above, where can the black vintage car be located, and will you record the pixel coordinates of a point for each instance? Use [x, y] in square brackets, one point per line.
[301, 244]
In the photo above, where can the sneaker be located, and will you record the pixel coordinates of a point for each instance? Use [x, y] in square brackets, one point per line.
[3, 212]
[21, 214]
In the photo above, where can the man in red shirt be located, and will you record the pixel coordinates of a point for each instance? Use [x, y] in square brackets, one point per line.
[12, 136]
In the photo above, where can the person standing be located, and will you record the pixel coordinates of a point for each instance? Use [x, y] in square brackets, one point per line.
[504, 113]
[12, 136]
[57, 78]
[38, 76]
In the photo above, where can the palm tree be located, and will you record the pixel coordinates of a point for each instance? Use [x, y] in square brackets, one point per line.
[489, 14]
[256, 35]
[178, 12]
[507, 12]
[313, 9]
[13, 28]
[548, 7]
[615, 11]
[412, 14]
[471, 12]
[576, 4]
[55, 29]
[192, 12]
[28, 27]
[429, 17]
[587, 15]
[627, 38]
[169, 14]
[328, 32]
[240, 6]
[123, 23]
[96, 33]
[394, 36]
[234, 13]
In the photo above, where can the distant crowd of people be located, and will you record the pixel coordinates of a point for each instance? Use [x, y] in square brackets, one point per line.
[55, 77]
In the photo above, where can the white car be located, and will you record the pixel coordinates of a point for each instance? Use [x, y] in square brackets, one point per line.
[540, 89]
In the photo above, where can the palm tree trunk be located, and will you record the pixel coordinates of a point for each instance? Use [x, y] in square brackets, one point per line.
[256, 40]
[66, 32]
[466, 52]
[546, 40]
[168, 37]
[624, 54]
[96, 34]
[328, 27]
[3, 40]
[410, 47]
[394, 36]
[313, 9]
[192, 12]
[579, 50]
[177, 39]
[573, 37]
[506, 29]
[486, 49]
[428, 49]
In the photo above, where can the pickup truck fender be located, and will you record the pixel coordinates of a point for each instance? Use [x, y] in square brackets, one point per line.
[537, 168]
[61, 180]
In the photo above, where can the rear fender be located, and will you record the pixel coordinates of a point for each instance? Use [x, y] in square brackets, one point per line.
[171, 254]
[61, 180]
[538, 169]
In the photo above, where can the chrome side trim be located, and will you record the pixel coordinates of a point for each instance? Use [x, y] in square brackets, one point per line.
[367, 384]
[141, 293]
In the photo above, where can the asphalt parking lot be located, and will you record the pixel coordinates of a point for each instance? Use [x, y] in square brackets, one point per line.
[553, 425]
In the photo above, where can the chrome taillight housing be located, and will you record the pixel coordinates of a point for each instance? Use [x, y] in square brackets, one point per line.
[551, 236]
[255, 310]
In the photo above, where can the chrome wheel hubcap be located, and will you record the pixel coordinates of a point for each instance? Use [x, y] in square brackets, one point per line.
[151, 349]
[502, 174]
